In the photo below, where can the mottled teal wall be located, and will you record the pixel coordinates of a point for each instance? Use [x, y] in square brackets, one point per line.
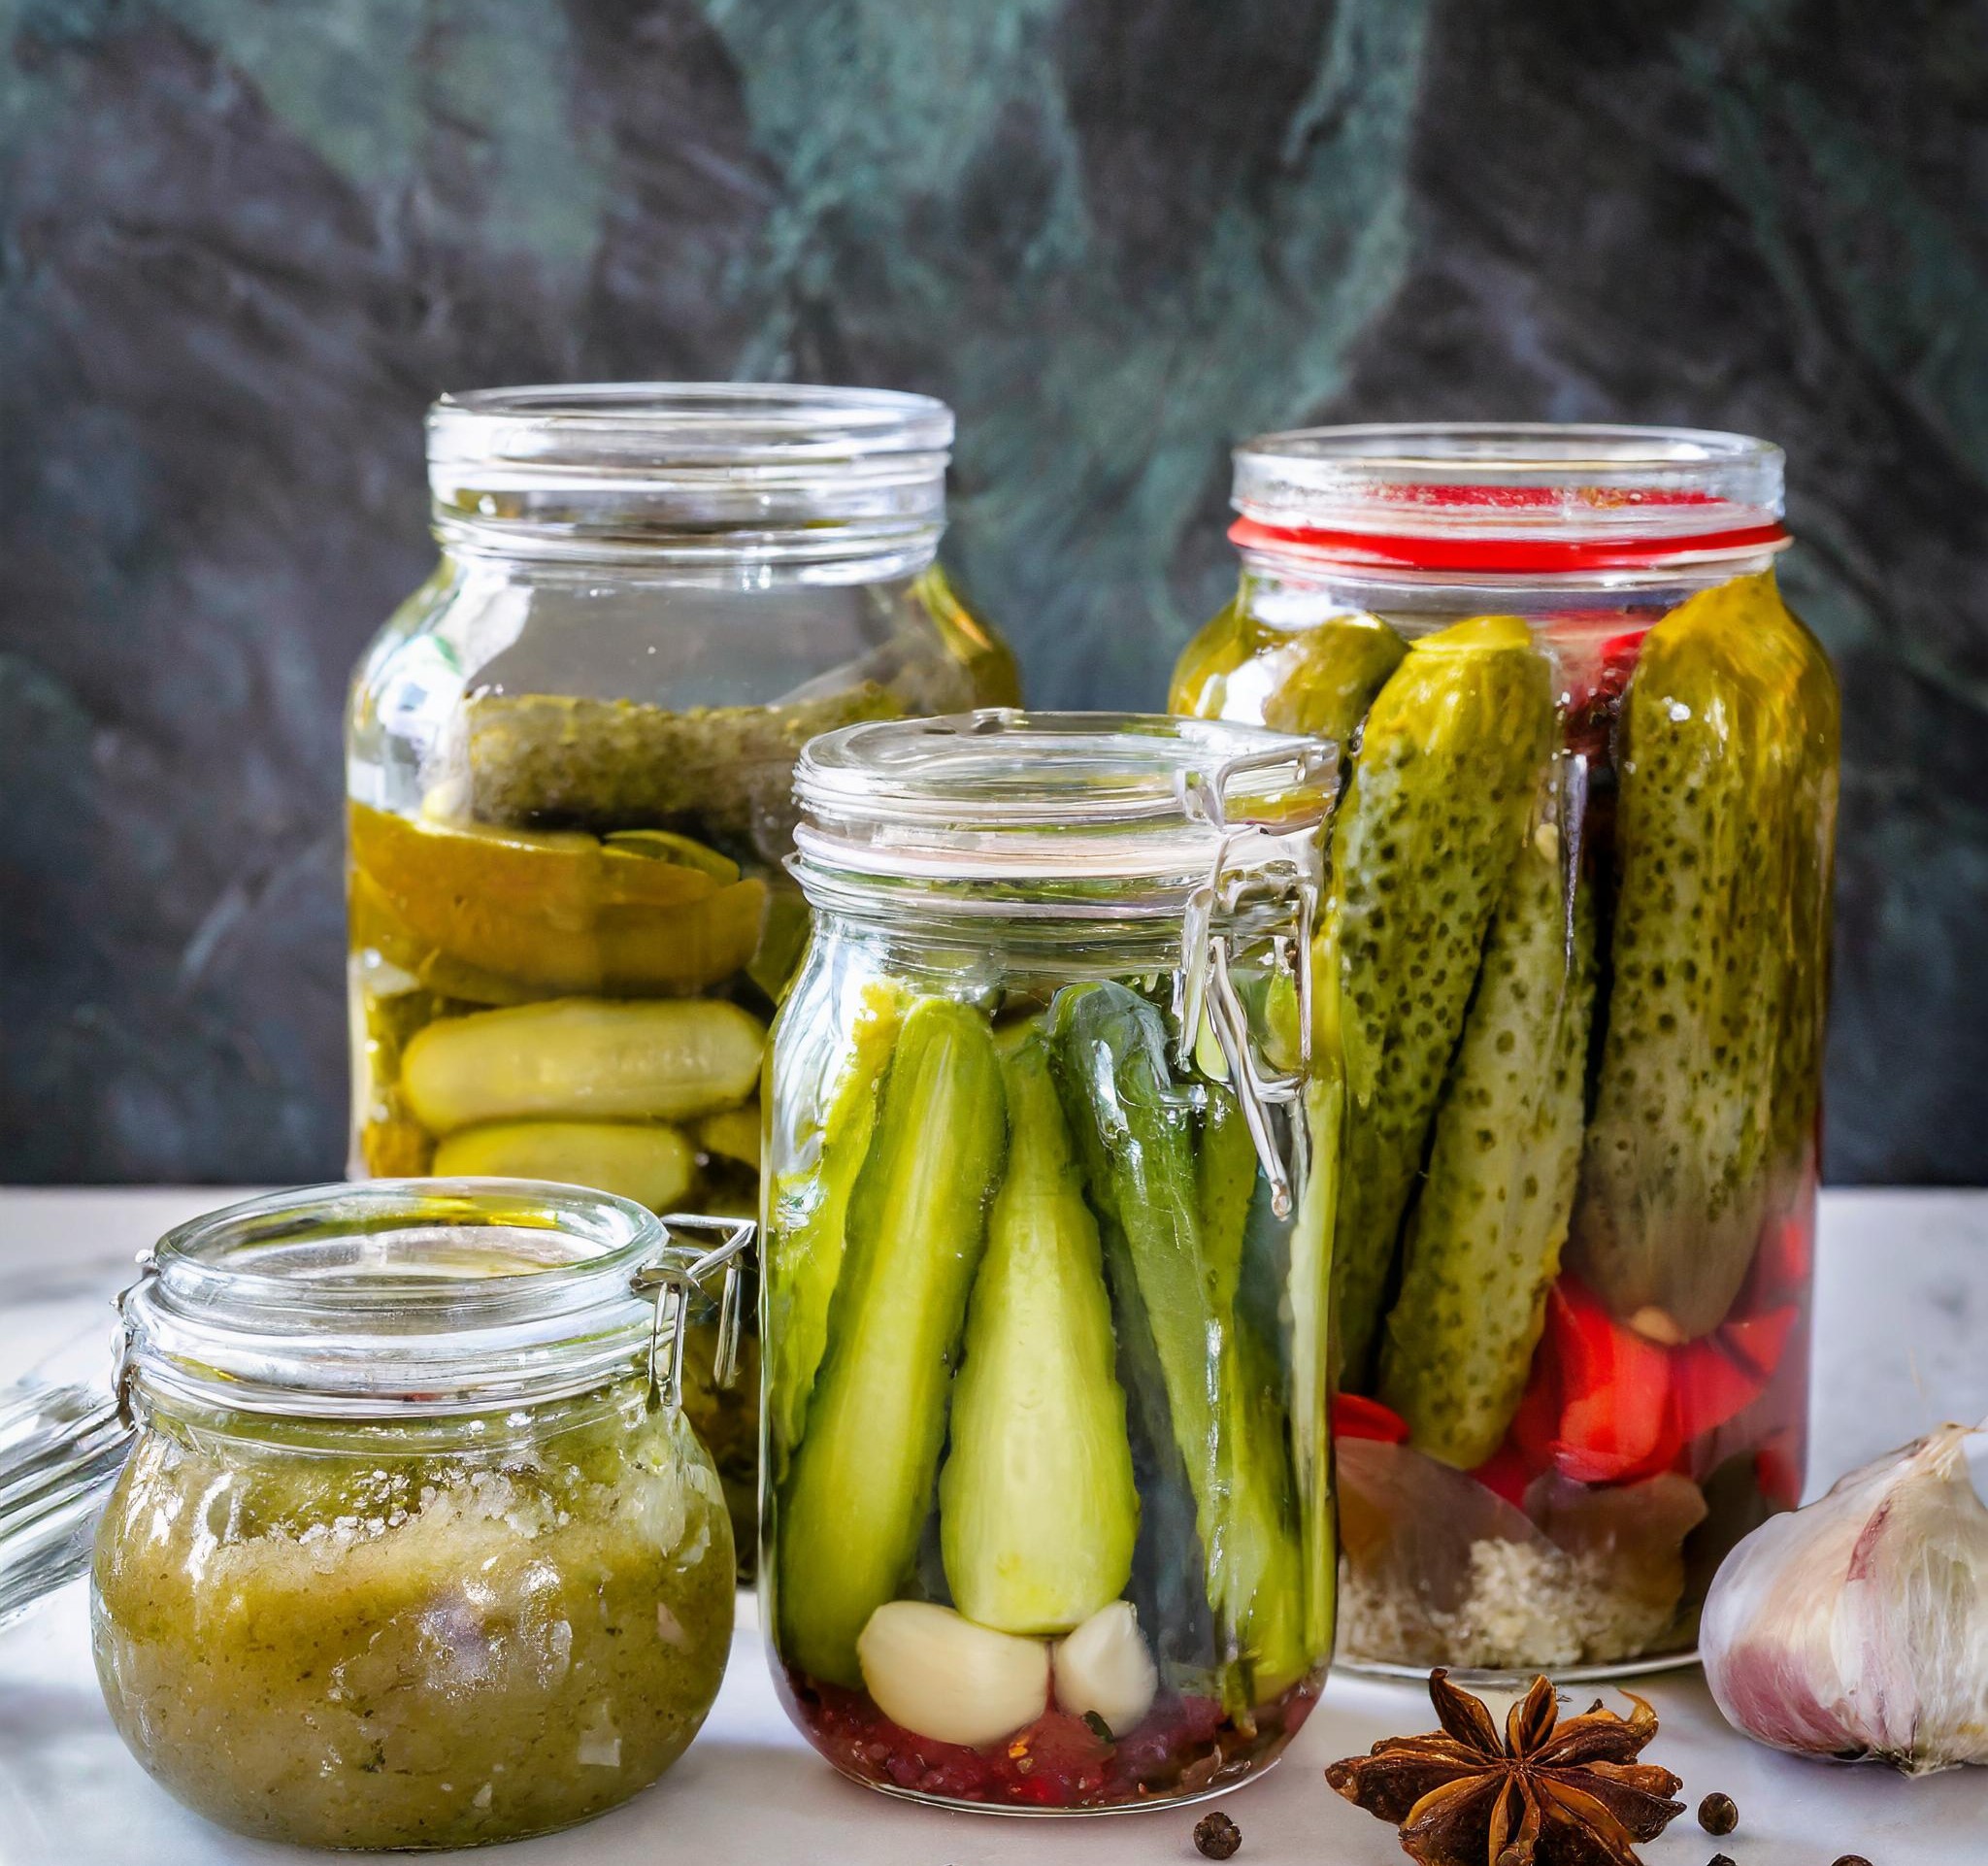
[242, 242]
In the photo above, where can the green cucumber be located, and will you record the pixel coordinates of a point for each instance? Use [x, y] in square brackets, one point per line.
[1725, 765]
[1432, 816]
[1135, 1131]
[808, 1216]
[860, 1484]
[1038, 1509]
[1483, 1245]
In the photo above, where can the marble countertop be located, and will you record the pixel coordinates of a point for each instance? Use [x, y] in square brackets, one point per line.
[1901, 1323]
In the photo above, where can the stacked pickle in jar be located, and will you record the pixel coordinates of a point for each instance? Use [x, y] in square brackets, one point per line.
[1574, 955]
[571, 761]
[1049, 1520]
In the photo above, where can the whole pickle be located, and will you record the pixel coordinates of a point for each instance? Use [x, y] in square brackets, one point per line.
[582, 1059]
[652, 1164]
[1726, 755]
[1484, 1243]
[1318, 679]
[1432, 816]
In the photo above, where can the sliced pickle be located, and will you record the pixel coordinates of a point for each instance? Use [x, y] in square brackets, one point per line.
[583, 1058]
[653, 1165]
[561, 910]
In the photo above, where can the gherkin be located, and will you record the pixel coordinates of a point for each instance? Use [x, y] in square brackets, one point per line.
[1433, 814]
[1486, 1238]
[1727, 760]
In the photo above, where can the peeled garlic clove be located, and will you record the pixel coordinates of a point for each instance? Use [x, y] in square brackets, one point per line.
[1104, 1668]
[1858, 1626]
[940, 1676]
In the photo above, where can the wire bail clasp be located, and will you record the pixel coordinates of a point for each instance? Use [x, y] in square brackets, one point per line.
[124, 1345]
[671, 1285]
[1208, 987]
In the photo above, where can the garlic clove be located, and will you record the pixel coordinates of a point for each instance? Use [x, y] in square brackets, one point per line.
[1858, 1626]
[1104, 1668]
[938, 1675]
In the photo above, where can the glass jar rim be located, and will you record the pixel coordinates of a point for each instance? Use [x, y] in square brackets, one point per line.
[692, 472]
[1508, 496]
[395, 1298]
[636, 427]
[1010, 812]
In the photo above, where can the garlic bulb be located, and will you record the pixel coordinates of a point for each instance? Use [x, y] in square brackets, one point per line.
[1858, 1626]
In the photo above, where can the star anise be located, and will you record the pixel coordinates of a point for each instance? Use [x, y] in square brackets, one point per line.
[1546, 1793]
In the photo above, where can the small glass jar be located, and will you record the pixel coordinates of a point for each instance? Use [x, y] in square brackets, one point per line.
[569, 762]
[1047, 1514]
[1578, 931]
[414, 1547]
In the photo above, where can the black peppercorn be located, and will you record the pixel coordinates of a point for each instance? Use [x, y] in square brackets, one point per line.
[1721, 1859]
[1851, 1859]
[1216, 1836]
[1717, 1815]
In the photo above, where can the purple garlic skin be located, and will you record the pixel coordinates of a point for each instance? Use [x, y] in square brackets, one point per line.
[1858, 1626]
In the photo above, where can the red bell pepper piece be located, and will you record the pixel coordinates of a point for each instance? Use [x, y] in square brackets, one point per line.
[1355, 1416]
[1616, 1423]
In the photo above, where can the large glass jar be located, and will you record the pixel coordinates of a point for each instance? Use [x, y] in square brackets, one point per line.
[1576, 948]
[1046, 1515]
[568, 764]
[414, 1549]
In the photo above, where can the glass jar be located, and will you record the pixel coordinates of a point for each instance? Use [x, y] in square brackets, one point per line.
[569, 763]
[414, 1547]
[1576, 945]
[1046, 1515]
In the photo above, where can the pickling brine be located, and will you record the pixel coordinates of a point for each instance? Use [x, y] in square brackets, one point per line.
[1575, 948]
[1047, 1518]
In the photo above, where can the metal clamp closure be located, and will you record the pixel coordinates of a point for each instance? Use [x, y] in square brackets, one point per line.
[123, 1351]
[1206, 986]
[671, 1286]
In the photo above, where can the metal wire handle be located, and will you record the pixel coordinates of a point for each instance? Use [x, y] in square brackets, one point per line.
[671, 1286]
[1207, 987]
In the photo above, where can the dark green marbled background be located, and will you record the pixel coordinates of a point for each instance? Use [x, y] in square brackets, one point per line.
[243, 242]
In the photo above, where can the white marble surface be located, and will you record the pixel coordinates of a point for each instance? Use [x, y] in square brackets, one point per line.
[1901, 1331]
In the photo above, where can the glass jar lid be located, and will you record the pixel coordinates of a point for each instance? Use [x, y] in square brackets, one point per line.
[403, 1297]
[690, 472]
[1060, 813]
[1500, 497]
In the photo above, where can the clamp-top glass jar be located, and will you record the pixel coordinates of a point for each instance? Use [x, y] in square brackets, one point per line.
[1047, 1514]
[1578, 947]
[569, 765]
[414, 1547]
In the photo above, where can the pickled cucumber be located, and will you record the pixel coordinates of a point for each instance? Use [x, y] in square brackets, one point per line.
[1484, 1243]
[1037, 1510]
[583, 1058]
[1309, 1298]
[1135, 1136]
[652, 1165]
[391, 1142]
[1433, 814]
[1726, 764]
[563, 912]
[808, 1217]
[1318, 679]
[733, 1135]
[1811, 875]
[557, 759]
[860, 1485]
